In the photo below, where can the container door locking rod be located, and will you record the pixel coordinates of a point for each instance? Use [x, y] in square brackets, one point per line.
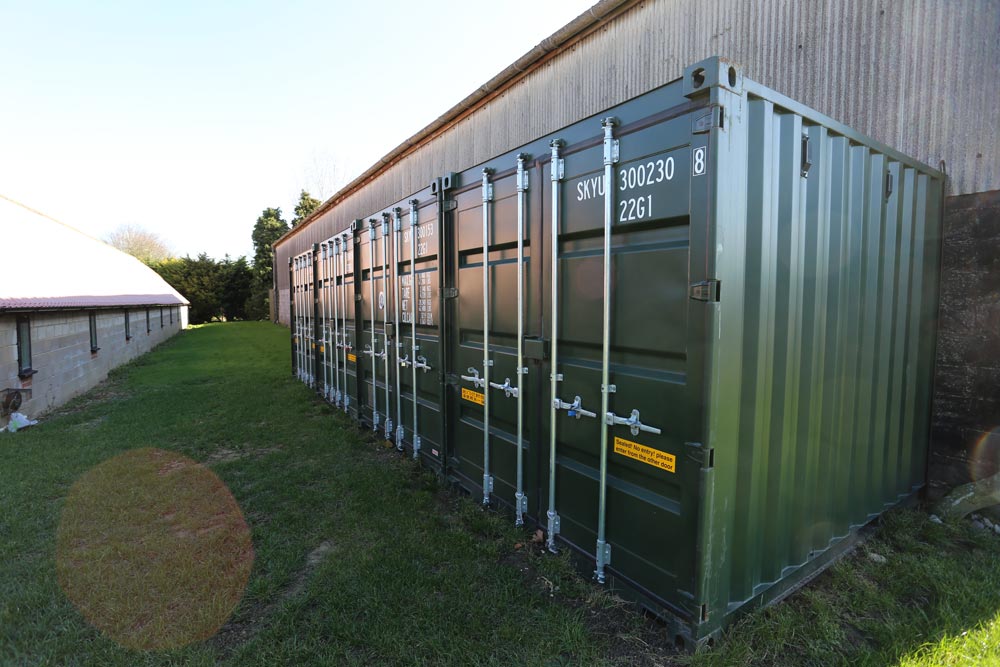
[324, 321]
[336, 320]
[299, 326]
[520, 499]
[324, 302]
[293, 290]
[383, 305]
[603, 555]
[348, 247]
[556, 166]
[397, 233]
[304, 298]
[575, 409]
[487, 199]
[332, 326]
[295, 323]
[416, 362]
[298, 318]
[310, 356]
[370, 349]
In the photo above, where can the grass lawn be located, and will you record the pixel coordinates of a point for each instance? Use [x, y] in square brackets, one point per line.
[204, 479]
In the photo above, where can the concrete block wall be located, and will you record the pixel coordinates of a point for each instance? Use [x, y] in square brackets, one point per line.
[61, 356]
[966, 419]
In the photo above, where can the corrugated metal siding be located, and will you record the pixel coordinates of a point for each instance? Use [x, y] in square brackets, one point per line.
[931, 64]
[828, 307]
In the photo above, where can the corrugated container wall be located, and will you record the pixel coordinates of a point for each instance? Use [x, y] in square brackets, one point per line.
[691, 337]
[928, 63]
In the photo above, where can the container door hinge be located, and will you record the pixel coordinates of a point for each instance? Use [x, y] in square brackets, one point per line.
[706, 290]
[449, 205]
[888, 185]
[449, 292]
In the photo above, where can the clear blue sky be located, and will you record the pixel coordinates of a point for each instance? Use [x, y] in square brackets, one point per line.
[189, 118]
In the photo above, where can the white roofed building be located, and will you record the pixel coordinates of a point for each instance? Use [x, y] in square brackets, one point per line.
[71, 309]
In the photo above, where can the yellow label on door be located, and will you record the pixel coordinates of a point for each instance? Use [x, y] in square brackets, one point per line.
[648, 455]
[352, 358]
[322, 349]
[473, 396]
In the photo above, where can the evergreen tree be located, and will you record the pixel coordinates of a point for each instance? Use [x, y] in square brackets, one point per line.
[269, 227]
[304, 208]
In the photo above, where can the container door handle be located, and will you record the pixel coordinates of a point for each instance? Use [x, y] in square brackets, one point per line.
[632, 422]
[574, 409]
[507, 389]
[474, 378]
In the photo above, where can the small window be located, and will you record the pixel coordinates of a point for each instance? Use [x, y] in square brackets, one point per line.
[24, 369]
[161, 317]
[149, 327]
[171, 309]
[93, 333]
[128, 327]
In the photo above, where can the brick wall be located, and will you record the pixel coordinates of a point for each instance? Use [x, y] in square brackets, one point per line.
[61, 356]
[966, 417]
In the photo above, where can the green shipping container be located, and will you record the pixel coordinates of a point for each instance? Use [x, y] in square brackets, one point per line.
[691, 338]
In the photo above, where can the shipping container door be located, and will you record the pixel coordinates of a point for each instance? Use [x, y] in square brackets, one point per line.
[655, 349]
[496, 202]
[347, 313]
[419, 356]
[373, 353]
[324, 292]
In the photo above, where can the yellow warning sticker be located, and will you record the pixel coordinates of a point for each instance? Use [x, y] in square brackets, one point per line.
[322, 349]
[653, 457]
[473, 396]
[352, 358]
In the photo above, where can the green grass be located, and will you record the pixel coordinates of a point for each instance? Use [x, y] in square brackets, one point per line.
[935, 600]
[360, 558]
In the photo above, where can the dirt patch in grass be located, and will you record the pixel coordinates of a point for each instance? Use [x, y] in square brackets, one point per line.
[632, 636]
[230, 454]
[234, 634]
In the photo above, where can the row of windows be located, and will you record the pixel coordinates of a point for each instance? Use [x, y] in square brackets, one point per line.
[24, 368]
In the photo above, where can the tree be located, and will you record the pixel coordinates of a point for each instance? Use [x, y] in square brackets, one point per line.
[199, 280]
[236, 288]
[142, 244]
[268, 228]
[304, 208]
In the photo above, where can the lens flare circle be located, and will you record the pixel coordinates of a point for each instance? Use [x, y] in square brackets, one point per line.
[984, 457]
[153, 549]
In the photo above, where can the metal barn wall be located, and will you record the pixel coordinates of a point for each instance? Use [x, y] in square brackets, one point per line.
[933, 60]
